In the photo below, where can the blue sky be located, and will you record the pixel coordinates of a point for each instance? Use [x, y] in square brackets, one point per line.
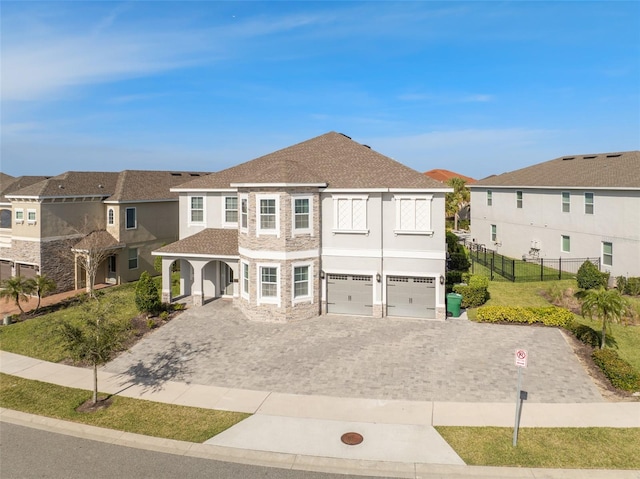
[475, 87]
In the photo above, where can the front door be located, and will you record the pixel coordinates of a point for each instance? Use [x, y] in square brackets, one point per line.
[111, 270]
[226, 280]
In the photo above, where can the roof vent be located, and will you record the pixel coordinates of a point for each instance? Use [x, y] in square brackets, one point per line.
[590, 157]
[194, 174]
[176, 174]
[366, 146]
[346, 136]
[614, 156]
[568, 158]
[100, 186]
[61, 187]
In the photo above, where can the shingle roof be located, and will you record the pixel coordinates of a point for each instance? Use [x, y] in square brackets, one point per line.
[9, 184]
[127, 185]
[210, 241]
[99, 240]
[442, 175]
[331, 158]
[598, 170]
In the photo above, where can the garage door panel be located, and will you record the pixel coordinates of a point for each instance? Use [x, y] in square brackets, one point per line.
[411, 297]
[5, 270]
[350, 294]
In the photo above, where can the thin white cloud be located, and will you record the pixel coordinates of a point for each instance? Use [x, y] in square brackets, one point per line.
[446, 97]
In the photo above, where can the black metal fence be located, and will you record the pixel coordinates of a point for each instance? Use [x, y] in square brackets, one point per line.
[531, 269]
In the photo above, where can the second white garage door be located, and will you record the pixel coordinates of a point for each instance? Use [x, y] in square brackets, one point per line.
[411, 297]
[350, 294]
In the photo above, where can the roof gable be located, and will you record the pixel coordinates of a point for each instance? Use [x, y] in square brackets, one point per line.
[618, 170]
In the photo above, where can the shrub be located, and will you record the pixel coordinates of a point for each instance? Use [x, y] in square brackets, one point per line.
[178, 307]
[478, 281]
[633, 286]
[549, 316]
[454, 277]
[588, 335]
[621, 284]
[146, 297]
[618, 371]
[459, 262]
[589, 277]
[472, 296]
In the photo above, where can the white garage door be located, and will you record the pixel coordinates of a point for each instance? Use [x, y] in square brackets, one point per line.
[411, 297]
[350, 294]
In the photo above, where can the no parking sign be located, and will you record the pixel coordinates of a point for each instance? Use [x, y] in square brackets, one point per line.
[521, 358]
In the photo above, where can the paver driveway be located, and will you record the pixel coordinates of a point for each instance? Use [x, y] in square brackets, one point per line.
[455, 360]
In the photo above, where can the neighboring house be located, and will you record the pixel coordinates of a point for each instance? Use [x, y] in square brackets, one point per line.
[129, 213]
[327, 225]
[582, 206]
[445, 175]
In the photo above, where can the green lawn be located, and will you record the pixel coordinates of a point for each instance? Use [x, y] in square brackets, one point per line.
[572, 448]
[125, 414]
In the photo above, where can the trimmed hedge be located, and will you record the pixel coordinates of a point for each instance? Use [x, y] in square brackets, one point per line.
[589, 277]
[585, 334]
[620, 373]
[472, 296]
[549, 316]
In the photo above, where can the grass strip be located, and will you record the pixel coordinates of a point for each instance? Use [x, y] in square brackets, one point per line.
[138, 416]
[564, 448]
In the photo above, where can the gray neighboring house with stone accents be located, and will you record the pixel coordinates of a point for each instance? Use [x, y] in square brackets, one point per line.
[578, 206]
[324, 226]
[54, 220]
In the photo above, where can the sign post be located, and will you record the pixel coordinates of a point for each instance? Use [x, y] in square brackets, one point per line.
[521, 362]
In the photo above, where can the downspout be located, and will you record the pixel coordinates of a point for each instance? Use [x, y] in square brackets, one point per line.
[382, 254]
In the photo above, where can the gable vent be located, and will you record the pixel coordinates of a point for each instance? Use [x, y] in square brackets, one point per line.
[568, 158]
[614, 156]
[590, 157]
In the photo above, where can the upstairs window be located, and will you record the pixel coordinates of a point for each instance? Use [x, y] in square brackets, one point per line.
[301, 215]
[132, 222]
[110, 216]
[566, 202]
[244, 213]
[413, 214]
[489, 197]
[19, 215]
[231, 210]
[518, 199]
[196, 209]
[5, 218]
[31, 216]
[350, 214]
[268, 222]
[588, 203]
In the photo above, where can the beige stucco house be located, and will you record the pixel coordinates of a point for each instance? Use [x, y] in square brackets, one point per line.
[580, 206]
[128, 214]
[324, 226]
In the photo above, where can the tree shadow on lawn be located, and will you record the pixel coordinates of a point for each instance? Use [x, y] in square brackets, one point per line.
[173, 364]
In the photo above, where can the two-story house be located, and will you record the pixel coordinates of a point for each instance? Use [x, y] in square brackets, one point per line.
[580, 206]
[128, 214]
[324, 226]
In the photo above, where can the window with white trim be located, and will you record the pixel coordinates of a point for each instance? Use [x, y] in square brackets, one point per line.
[19, 212]
[519, 199]
[244, 212]
[110, 216]
[489, 197]
[566, 202]
[31, 215]
[350, 214]
[494, 233]
[566, 244]
[196, 209]
[588, 203]
[245, 280]
[269, 283]
[231, 210]
[131, 220]
[413, 214]
[301, 207]
[302, 282]
[133, 258]
[607, 253]
[268, 218]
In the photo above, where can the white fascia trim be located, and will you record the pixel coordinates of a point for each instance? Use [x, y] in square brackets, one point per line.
[116, 202]
[203, 190]
[25, 238]
[420, 191]
[277, 185]
[30, 197]
[559, 188]
[278, 255]
[348, 191]
[194, 255]
[387, 190]
[356, 253]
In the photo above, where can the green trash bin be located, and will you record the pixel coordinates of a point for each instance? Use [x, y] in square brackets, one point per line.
[454, 300]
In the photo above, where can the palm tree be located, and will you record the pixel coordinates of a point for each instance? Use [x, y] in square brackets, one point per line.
[607, 305]
[16, 288]
[42, 286]
[458, 199]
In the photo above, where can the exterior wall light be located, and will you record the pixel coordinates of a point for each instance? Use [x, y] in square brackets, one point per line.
[441, 279]
[321, 274]
[378, 277]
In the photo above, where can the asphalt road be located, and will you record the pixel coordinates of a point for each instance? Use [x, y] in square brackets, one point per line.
[31, 453]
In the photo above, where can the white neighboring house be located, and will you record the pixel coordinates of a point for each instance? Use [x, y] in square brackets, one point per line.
[326, 225]
[581, 206]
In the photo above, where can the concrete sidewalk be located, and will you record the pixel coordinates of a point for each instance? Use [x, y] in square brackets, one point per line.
[290, 430]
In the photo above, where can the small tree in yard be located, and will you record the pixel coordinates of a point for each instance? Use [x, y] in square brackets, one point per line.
[589, 277]
[41, 285]
[457, 200]
[147, 298]
[17, 289]
[607, 305]
[95, 340]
